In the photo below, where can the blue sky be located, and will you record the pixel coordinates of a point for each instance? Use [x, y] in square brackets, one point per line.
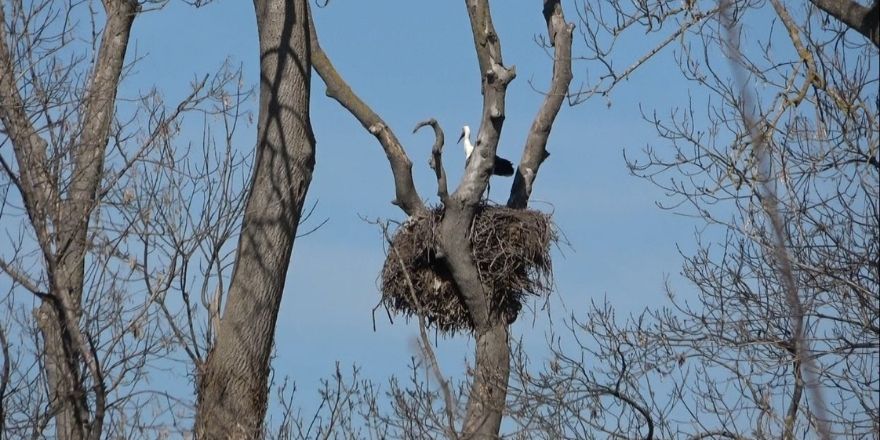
[412, 61]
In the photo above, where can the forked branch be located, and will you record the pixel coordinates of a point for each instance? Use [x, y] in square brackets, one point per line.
[436, 161]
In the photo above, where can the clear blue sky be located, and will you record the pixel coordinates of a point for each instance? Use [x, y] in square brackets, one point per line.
[411, 61]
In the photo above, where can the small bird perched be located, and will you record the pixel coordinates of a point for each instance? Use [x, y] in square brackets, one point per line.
[501, 167]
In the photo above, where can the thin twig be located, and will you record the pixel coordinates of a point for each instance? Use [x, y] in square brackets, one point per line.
[4, 378]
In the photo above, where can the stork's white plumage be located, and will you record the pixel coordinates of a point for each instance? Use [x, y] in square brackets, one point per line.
[501, 167]
[468, 146]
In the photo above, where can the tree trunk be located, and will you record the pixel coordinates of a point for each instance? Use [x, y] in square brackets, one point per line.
[65, 383]
[233, 388]
[488, 392]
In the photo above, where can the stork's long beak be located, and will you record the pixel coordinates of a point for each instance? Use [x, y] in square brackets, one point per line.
[460, 138]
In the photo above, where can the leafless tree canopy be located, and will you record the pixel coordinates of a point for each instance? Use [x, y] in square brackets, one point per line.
[133, 250]
[116, 228]
[777, 153]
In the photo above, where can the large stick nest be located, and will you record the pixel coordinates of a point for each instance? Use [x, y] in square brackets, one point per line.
[511, 248]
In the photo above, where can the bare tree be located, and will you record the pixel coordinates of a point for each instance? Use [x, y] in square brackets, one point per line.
[779, 158]
[488, 390]
[60, 204]
[121, 267]
[108, 217]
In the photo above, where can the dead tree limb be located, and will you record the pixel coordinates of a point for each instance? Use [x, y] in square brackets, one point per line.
[535, 151]
[406, 196]
[436, 161]
[495, 78]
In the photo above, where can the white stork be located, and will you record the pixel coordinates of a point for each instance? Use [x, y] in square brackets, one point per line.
[501, 167]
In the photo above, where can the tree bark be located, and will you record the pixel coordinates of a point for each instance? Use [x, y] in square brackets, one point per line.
[436, 161]
[488, 393]
[233, 383]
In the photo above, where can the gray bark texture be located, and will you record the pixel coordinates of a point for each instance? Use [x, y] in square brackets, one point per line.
[233, 382]
[60, 217]
[488, 391]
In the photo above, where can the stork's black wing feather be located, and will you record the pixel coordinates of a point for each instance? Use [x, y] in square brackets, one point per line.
[502, 167]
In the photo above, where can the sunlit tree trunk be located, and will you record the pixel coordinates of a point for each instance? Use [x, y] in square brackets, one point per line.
[233, 383]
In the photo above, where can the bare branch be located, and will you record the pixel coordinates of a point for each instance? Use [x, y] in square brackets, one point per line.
[406, 196]
[38, 189]
[436, 161]
[4, 378]
[651, 16]
[21, 278]
[100, 101]
[535, 151]
[495, 78]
